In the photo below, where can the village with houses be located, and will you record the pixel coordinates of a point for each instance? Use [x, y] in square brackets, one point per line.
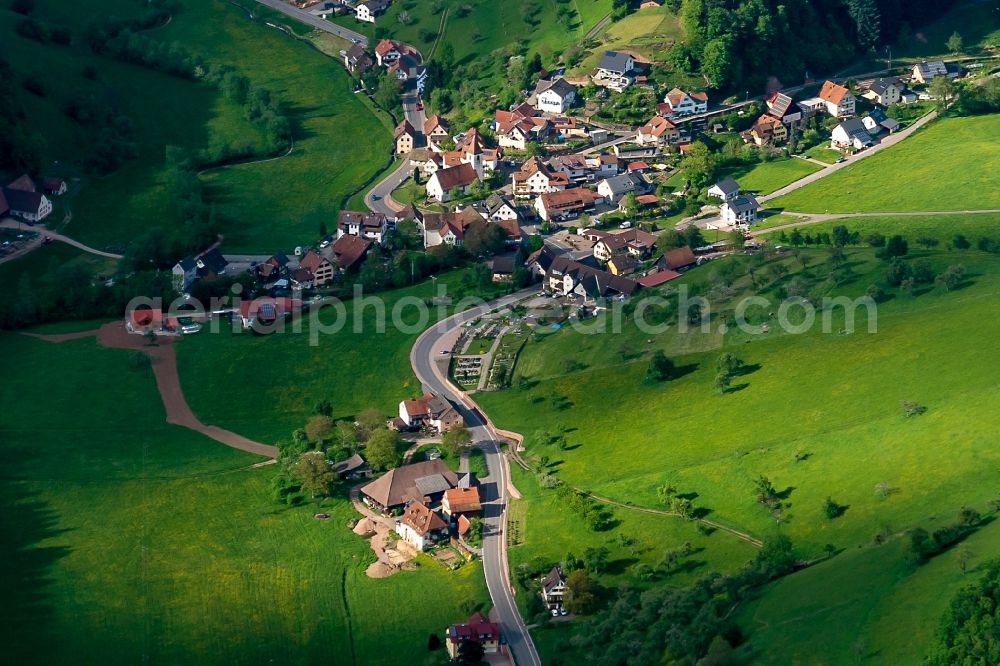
[589, 187]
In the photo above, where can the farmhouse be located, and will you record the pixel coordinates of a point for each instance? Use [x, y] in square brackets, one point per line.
[838, 99]
[570, 277]
[850, 134]
[658, 131]
[553, 588]
[436, 131]
[369, 10]
[423, 482]
[320, 267]
[741, 211]
[565, 204]
[420, 527]
[429, 410]
[354, 467]
[24, 201]
[189, 270]
[477, 629]
[373, 226]
[622, 264]
[262, 312]
[555, 96]
[54, 186]
[446, 182]
[349, 251]
[681, 103]
[634, 242]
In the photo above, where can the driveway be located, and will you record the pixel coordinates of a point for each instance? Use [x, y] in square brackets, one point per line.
[42, 230]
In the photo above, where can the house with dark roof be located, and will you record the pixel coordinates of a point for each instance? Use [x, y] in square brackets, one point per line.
[886, 91]
[261, 313]
[354, 467]
[499, 207]
[321, 268]
[444, 183]
[850, 135]
[208, 264]
[357, 60]
[574, 278]
[449, 228]
[615, 188]
[405, 137]
[349, 252]
[741, 211]
[553, 588]
[615, 70]
[726, 189]
[373, 226]
[783, 107]
[476, 629]
[635, 242]
[928, 70]
[430, 410]
[877, 122]
[369, 10]
[421, 527]
[676, 259]
[622, 264]
[502, 267]
[423, 482]
[554, 96]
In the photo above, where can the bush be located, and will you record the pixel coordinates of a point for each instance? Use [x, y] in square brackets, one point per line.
[23, 7]
[32, 29]
[36, 86]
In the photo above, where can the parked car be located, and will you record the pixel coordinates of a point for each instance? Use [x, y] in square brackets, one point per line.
[555, 612]
[46, 240]
[841, 159]
[298, 251]
[563, 611]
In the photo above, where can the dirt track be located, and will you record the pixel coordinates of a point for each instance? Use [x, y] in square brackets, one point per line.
[164, 363]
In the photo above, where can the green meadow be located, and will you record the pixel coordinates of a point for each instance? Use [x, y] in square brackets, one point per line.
[766, 177]
[134, 540]
[951, 164]
[261, 207]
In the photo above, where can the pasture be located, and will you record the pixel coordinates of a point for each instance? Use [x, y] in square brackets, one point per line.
[952, 164]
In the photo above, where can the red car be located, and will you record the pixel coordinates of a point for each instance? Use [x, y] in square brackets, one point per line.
[420, 106]
[46, 240]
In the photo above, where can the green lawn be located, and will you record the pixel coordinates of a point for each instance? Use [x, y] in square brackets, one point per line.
[942, 227]
[477, 463]
[872, 597]
[823, 153]
[766, 177]
[273, 382]
[646, 31]
[954, 161]
[143, 541]
[281, 203]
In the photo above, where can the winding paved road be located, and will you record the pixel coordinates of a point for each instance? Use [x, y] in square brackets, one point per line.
[431, 368]
[315, 21]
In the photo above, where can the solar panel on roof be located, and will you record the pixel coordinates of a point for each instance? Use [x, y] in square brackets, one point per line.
[267, 310]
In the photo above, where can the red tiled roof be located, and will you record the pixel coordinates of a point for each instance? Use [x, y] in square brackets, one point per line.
[656, 279]
[832, 92]
[462, 500]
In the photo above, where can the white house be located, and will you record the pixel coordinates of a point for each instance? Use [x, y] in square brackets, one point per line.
[553, 588]
[555, 96]
[657, 132]
[373, 226]
[852, 134]
[838, 99]
[444, 182]
[924, 72]
[536, 178]
[741, 211]
[369, 10]
[27, 205]
[885, 91]
[726, 189]
[387, 51]
[429, 410]
[499, 208]
[615, 188]
[420, 527]
[614, 69]
[681, 103]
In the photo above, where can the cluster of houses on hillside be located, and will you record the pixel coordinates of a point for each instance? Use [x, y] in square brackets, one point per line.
[398, 59]
[363, 10]
[26, 200]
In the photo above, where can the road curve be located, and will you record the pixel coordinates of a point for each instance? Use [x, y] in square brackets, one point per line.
[315, 21]
[42, 230]
[430, 367]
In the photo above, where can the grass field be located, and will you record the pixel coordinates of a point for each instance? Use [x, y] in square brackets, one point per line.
[871, 598]
[942, 227]
[272, 382]
[824, 154]
[261, 207]
[281, 203]
[766, 177]
[648, 32]
[146, 542]
[954, 160]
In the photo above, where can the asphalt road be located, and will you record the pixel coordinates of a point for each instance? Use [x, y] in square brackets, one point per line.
[315, 21]
[41, 230]
[426, 359]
